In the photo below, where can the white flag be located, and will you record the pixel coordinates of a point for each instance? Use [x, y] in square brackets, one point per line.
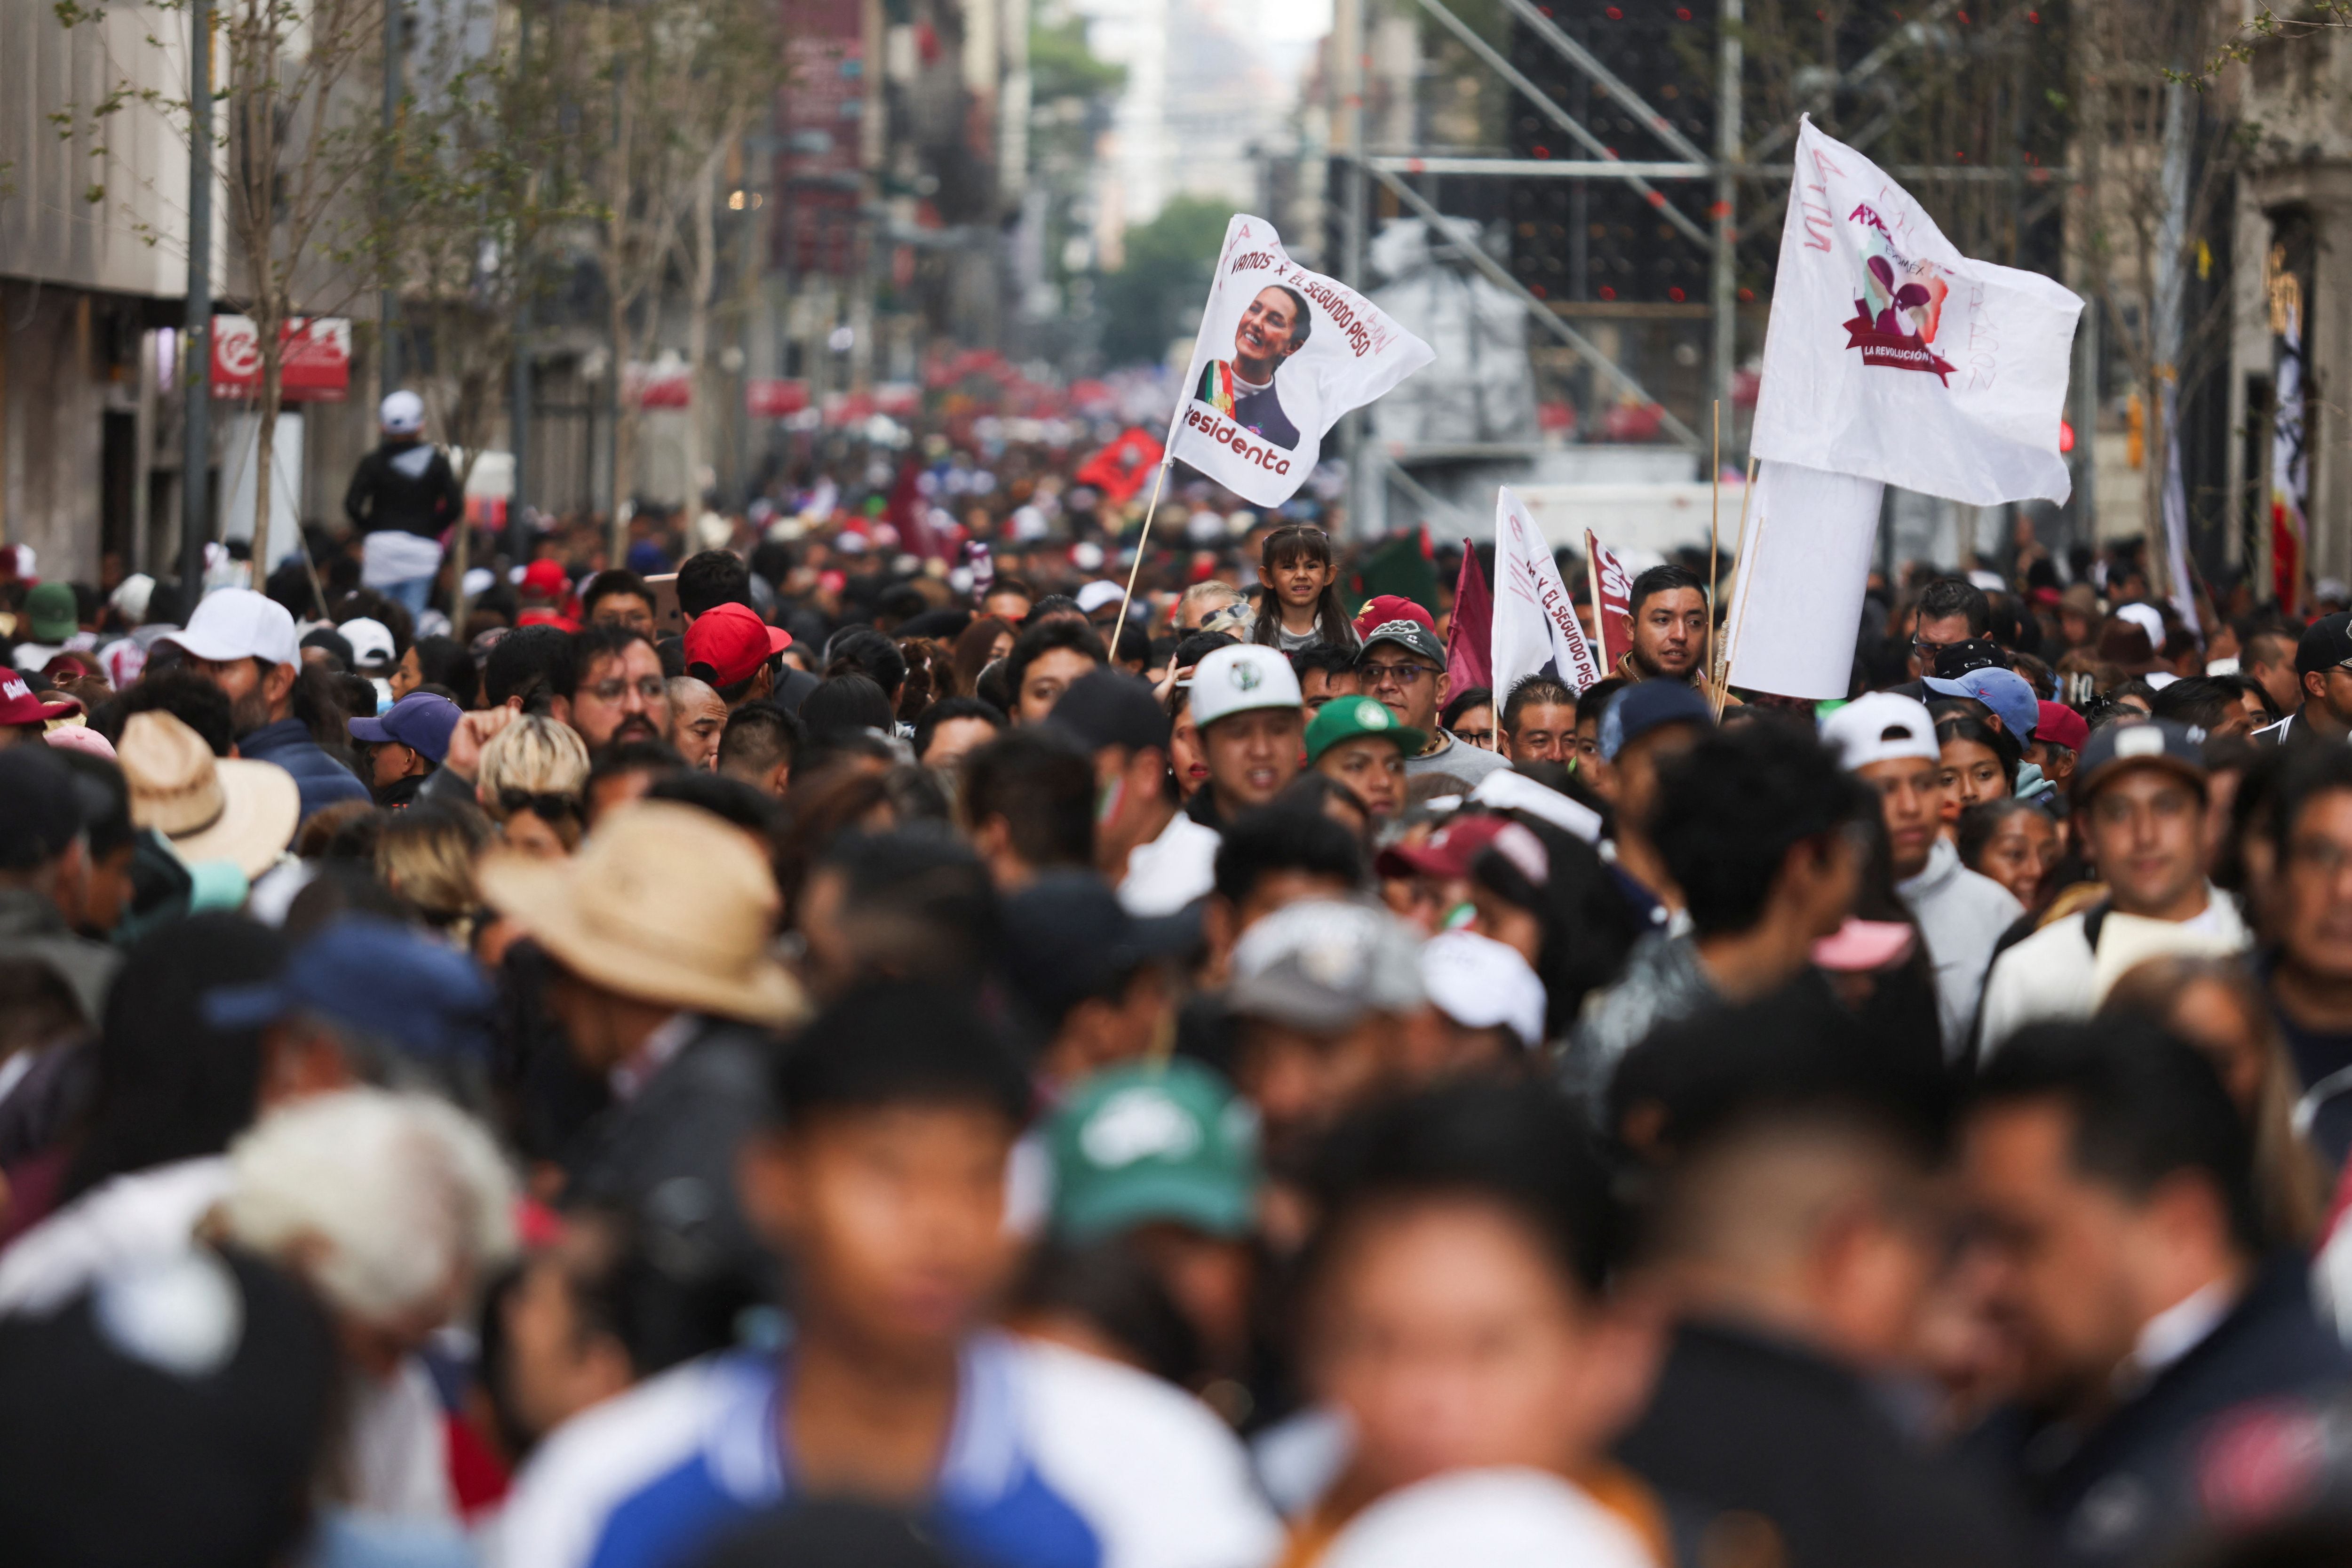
[1535, 615]
[1796, 608]
[1894, 357]
[1282, 354]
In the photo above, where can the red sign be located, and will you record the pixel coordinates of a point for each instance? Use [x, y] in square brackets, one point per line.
[1612, 601]
[766, 397]
[314, 359]
[668, 385]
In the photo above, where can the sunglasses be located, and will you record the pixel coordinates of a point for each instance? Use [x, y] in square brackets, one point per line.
[549, 806]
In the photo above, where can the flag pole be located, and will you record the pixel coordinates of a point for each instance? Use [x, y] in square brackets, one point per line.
[1593, 583]
[1714, 571]
[1141, 540]
[1739, 567]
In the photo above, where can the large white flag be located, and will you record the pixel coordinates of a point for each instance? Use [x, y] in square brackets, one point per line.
[1535, 615]
[1894, 357]
[1282, 354]
[1796, 607]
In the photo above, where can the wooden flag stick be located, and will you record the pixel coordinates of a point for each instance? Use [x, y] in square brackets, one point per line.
[1141, 540]
[1714, 526]
[1739, 574]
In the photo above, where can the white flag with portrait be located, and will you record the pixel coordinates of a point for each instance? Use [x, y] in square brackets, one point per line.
[1891, 356]
[1282, 354]
[1535, 615]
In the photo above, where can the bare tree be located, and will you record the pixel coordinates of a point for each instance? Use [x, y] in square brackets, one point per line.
[295, 135]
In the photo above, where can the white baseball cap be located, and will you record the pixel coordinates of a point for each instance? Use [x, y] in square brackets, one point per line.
[1097, 594]
[1878, 726]
[238, 623]
[401, 412]
[1239, 679]
[1482, 983]
[371, 641]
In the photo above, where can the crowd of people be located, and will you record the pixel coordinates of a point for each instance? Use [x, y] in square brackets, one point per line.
[867, 1050]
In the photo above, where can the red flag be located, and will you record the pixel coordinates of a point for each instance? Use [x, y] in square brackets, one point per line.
[1612, 601]
[1468, 662]
[1119, 469]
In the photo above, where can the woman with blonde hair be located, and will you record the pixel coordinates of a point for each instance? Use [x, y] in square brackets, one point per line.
[425, 856]
[530, 783]
[2214, 1004]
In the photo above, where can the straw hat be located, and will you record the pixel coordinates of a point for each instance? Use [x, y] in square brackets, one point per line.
[664, 903]
[210, 808]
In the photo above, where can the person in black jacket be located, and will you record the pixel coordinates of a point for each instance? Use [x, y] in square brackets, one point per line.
[403, 498]
[2168, 1370]
[1795, 1235]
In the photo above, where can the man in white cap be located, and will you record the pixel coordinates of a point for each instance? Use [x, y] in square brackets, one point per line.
[244, 642]
[1252, 722]
[403, 498]
[1888, 742]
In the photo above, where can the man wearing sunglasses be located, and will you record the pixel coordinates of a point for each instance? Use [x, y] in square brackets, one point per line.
[1404, 665]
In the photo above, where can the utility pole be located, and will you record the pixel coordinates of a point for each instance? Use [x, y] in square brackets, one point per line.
[1724, 284]
[395, 43]
[519, 376]
[1364, 483]
[196, 366]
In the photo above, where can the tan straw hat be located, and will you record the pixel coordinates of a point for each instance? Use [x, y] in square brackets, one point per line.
[210, 808]
[664, 903]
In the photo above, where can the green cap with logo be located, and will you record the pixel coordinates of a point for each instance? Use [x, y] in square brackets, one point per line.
[1167, 1143]
[51, 612]
[1346, 718]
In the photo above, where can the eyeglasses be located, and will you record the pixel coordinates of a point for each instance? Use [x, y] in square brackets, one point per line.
[652, 687]
[548, 806]
[1403, 676]
[1482, 739]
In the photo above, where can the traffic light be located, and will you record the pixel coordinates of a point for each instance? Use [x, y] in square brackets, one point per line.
[1601, 240]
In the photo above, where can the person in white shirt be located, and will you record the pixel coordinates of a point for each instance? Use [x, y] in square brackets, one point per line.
[1888, 742]
[1159, 859]
[2139, 805]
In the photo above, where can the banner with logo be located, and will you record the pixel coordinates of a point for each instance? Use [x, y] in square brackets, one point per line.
[1612, 600]
[1796, 609]
[1536, 628]
[1282, 354]
[1893, 356]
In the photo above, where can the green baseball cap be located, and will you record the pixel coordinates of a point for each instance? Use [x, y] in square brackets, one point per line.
[1344, 717]
[52, 613]
[1169, 1144]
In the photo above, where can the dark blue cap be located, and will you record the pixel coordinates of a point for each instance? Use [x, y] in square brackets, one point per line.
[420, 721]
[1647, 705]
[376, 977]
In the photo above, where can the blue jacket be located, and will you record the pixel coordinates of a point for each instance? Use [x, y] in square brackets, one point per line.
[323, 781]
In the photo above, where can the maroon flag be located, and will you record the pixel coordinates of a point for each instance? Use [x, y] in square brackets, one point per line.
[1612, 604]
[1470, 631]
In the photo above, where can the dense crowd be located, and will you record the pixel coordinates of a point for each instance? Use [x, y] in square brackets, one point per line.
[870, 1045]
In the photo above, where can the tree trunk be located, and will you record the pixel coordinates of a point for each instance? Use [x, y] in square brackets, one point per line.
[698, 319]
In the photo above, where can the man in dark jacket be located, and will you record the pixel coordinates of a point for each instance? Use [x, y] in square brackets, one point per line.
[403, 498]
[1795, 1241]
[2170, 1364]
[664, 989]
[244, 642]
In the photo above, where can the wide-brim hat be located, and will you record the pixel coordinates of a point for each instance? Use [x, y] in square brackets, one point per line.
[210, 808]
[664, 903]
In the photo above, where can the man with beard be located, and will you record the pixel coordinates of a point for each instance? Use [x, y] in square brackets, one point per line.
[1667, 620]
[1273, 327]
[618, 692]
[244, 642]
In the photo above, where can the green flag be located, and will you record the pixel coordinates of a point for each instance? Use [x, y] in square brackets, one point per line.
[1399, 564]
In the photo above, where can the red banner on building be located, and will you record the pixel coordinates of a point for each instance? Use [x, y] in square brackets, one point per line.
[314, 366]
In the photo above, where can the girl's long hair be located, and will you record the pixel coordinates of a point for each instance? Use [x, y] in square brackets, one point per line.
[1286, 544]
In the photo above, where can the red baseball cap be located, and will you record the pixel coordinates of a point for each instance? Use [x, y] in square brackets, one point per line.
[20, 704]
[2059, 725]
[732, 642]
[1448, 853]
[546, 577]
[1392, 617]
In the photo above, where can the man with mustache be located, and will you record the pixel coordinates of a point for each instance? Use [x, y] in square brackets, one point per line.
[1274, 326]
[618, 692]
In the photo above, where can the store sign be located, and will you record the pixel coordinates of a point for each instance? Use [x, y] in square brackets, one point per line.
[314, 363]
[767, 398]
